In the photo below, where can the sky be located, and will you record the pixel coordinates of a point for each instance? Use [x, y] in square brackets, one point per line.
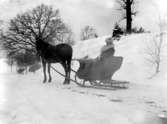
[100, 14]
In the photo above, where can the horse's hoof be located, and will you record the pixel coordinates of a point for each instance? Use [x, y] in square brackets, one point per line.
[44, 81]
[49, 81]
[66, 82]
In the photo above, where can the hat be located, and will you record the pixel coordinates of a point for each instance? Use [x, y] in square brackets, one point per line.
[109, 40]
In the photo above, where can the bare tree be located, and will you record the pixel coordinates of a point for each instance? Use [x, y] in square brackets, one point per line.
[127, 6]
[153, 52]
[88, 32]
[41, 22]
[154, 49]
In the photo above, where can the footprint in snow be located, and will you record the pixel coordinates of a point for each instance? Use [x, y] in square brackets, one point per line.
[82, 92]
[116, 100]
[150, 102]
[99, 95]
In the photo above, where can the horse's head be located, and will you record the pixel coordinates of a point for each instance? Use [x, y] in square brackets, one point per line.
[40, 45]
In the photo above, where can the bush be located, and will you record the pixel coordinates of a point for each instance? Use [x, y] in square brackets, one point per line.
[25, 59]
[21, 70]
[138, 30]
[117, 32]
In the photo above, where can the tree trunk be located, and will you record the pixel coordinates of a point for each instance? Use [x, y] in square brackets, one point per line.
[128, 16]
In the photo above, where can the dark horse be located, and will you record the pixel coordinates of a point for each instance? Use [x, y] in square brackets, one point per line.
[61, 53]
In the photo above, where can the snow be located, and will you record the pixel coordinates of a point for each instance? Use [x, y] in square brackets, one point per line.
[24, 99]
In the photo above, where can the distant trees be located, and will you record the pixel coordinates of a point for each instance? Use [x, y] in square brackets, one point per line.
[25, 59]
[88, 32]
[10, 61]
[41, 22]
[127, 6]
[22, 59]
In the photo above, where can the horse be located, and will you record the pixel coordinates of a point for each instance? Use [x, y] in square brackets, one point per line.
[61, 53]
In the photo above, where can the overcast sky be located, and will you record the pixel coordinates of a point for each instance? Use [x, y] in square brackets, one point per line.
[101, 14]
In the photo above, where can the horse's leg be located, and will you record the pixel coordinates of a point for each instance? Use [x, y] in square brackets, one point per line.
[44, 70]
[50, 78]
[65, 69]
[68, 70]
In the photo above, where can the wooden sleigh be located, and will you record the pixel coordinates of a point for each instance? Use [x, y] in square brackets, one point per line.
[99, 72]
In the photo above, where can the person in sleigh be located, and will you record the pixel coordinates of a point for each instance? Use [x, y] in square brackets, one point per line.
[108, 49]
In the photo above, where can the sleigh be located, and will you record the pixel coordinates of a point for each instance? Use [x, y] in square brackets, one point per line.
[98, 72]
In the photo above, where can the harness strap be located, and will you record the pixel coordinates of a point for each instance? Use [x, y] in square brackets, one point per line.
[67, 77]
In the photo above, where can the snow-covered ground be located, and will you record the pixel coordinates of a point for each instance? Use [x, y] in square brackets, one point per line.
[24, 99]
